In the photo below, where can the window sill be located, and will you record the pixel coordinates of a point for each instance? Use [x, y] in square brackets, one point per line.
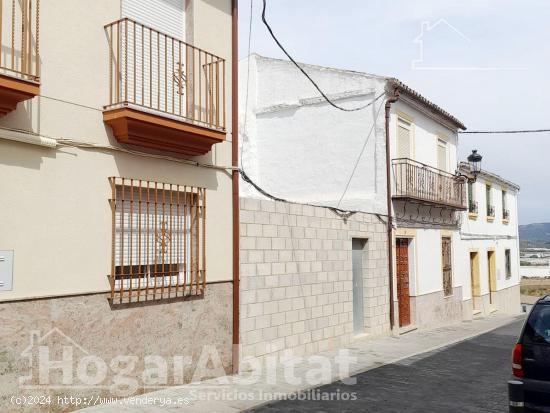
[505, 221]
[472, 215]
[490, 219]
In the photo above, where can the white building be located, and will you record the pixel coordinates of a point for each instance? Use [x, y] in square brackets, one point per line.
[489, 249]
[427, 198]
[310, 278]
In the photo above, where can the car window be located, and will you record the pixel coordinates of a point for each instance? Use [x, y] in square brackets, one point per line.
[537, 329]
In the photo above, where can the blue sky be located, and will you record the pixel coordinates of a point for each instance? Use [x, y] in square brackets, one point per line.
[487, 62]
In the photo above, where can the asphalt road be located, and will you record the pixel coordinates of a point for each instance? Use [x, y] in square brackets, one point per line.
[469, 376]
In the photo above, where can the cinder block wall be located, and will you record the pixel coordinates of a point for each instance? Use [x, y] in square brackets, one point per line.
[296, 277]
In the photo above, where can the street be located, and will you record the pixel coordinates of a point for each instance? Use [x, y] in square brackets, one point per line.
[469, 376]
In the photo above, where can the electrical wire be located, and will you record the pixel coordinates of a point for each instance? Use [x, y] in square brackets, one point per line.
[247, 82]
[330, 102]
[359, 157]
[504, 131]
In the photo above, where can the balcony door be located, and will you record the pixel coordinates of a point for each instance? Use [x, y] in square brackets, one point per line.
[442, 165]
[153, 60]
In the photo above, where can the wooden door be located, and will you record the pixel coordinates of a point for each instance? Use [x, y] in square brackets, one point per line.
[491, 273]
[474, 273]
[402, 258]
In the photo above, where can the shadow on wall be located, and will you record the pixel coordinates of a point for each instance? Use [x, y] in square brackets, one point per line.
[24, 155]
[222, 5]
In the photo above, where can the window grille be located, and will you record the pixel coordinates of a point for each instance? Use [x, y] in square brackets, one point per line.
[158, 240]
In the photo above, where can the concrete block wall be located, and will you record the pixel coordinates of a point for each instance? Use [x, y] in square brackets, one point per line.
[296, 277]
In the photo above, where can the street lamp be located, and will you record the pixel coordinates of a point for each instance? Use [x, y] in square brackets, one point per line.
[474, 163]
[474, 160]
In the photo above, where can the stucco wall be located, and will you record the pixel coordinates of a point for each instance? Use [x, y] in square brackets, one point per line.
[54, 207]
[478, 234]
[433, 309]
[87, 327]
[296, 277]
[532, 271]
[298, 147]
[426, 130]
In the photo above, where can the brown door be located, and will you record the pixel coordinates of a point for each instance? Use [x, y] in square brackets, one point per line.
[403, 298]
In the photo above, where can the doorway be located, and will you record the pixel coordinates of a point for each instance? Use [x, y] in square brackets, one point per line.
[491, 274]
[358, 258]
[402, 270]
[474, 279]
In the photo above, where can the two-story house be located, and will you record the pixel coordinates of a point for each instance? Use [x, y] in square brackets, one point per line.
[116, 181]
[490, 245]
[427, 198]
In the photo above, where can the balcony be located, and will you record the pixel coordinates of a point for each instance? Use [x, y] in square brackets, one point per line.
[420, 183]
[473, 207]
[164, 94]
[505, 215]
[19, 57]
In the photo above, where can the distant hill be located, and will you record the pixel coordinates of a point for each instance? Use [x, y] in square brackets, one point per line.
[535, 232]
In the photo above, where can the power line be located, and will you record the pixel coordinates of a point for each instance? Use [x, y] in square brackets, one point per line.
[247, 81]
[504, 131]
[330, 102]
[359, 157]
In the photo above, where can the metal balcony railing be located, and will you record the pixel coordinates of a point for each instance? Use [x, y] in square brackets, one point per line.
[473, 207]
[19, 39]
[491, 211]
[159, 73]
[422, 183]
[506, 214]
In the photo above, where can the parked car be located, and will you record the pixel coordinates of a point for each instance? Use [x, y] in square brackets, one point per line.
[531, 361]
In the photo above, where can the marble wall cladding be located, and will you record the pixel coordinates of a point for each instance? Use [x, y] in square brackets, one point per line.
[134, 349]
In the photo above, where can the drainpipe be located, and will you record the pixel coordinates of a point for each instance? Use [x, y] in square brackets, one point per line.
[235, 179]
[389, 101]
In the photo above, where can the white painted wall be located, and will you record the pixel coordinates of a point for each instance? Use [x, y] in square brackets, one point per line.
[480, 234]
[298, 147]
[532, 271]
[425, 271]
[426, 130]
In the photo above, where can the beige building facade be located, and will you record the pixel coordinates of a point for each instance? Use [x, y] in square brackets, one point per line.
[115, 172]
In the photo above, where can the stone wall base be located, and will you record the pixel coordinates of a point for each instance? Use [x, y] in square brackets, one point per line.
[431, 310]
[135, 349]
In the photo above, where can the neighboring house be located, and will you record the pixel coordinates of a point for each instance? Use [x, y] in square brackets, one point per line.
[427, 198]
[312, 277]
[116, 132]
[490, 246]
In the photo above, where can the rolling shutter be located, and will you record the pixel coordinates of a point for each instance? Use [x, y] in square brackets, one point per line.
[403, 139]
[151, 60]
[441, 155]
[167, 16]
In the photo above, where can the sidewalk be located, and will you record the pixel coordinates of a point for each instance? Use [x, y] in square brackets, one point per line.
[369, 353]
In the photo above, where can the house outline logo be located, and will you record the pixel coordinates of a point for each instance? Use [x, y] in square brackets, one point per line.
[427, 27]
[36, 341]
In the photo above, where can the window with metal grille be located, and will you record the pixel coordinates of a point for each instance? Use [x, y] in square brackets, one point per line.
[447, 266]
[508, 263]
[158, 240]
